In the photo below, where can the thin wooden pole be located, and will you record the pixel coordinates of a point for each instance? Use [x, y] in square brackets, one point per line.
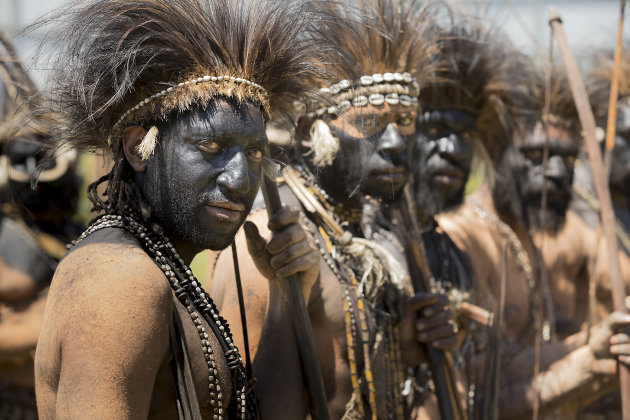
[614, 94]
[601, 186]
[300, 320]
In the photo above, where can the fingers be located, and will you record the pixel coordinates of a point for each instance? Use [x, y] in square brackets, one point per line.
[304, 263]
[442, 337]
[619, 320]
[255, 242]
[289, 254]
[283, 217]
[426, 323]
[620, 346]
[421, 300]
[284, 238]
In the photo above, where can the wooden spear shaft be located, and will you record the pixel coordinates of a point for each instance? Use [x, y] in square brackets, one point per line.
[601, 185]
[300, 320]
[614, 93]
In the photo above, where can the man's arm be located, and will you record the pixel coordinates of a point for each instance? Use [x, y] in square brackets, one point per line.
[113, 333]
[585, 372]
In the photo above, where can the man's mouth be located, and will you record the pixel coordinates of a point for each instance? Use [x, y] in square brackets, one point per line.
[390, 175]
[225, 211]
[449, 175]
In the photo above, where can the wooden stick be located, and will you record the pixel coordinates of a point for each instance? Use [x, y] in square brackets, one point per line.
[300, 320]
[614, 94]
[601, 186]
[419, 271]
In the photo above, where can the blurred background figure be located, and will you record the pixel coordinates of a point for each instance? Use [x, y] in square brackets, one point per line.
[35, 224]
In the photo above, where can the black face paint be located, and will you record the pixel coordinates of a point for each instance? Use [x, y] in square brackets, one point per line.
[441, 158]
[344, 177]
[387, 168]
[525, 166]
[202, 179]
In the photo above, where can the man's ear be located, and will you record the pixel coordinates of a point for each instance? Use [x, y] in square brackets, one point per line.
[302, 131]
[132, 137]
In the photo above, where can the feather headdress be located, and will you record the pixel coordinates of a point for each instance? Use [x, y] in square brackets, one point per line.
[479, 73]
[389, 51]
[134, 62]
[560, 111]
[598, 84]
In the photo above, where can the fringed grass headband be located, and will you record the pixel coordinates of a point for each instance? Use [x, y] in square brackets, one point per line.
[377, 89]
[182, 96]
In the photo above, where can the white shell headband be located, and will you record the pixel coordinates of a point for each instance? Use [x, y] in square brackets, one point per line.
[376, 89]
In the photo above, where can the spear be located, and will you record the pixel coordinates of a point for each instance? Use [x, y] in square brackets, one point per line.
[601, 186]
[614, 93]
[300, 320]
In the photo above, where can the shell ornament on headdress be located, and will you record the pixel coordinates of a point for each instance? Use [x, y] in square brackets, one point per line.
[389, 49]
[136, 62]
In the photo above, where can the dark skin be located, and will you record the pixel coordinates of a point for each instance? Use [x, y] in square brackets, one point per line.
[110, 306]
[372, 154]
[522, 171]
[443, 151]
[278, 365]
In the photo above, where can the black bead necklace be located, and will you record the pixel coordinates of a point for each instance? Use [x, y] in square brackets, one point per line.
[199, 305]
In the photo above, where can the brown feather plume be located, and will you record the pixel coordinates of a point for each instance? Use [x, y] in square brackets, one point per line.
[479, 73]
[115, 53]
[380, 36]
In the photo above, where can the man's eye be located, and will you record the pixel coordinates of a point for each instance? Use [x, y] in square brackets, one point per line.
[534, 155]
[255, 154]
[210, 147]
[405, 121]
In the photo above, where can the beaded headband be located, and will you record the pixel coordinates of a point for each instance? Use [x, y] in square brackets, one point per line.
[377, 89]
[261, 95]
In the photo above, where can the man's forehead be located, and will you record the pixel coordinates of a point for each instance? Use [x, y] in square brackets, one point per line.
[540, 134]
[446, 116]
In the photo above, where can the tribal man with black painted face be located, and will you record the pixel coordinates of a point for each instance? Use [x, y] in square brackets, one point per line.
[459, 114]
[351, 141]
[35, 225]
[534, 261]
[177, 93]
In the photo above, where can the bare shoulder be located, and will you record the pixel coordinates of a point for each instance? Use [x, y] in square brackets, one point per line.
[108, 315]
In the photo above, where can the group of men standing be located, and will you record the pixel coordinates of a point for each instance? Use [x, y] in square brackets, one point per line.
[450, 263]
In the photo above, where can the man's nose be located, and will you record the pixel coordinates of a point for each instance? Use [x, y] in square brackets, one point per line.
[556, 168]
[235, 175]
[391, 142]
[452, 148]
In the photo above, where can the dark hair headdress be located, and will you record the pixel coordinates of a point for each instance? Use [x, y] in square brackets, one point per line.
[480, 73]
[135, 62]
[389, 49]
[561, 110]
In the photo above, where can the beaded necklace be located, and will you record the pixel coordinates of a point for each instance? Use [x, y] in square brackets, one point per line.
[525, 267]
[356, 303]
[189, 292]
